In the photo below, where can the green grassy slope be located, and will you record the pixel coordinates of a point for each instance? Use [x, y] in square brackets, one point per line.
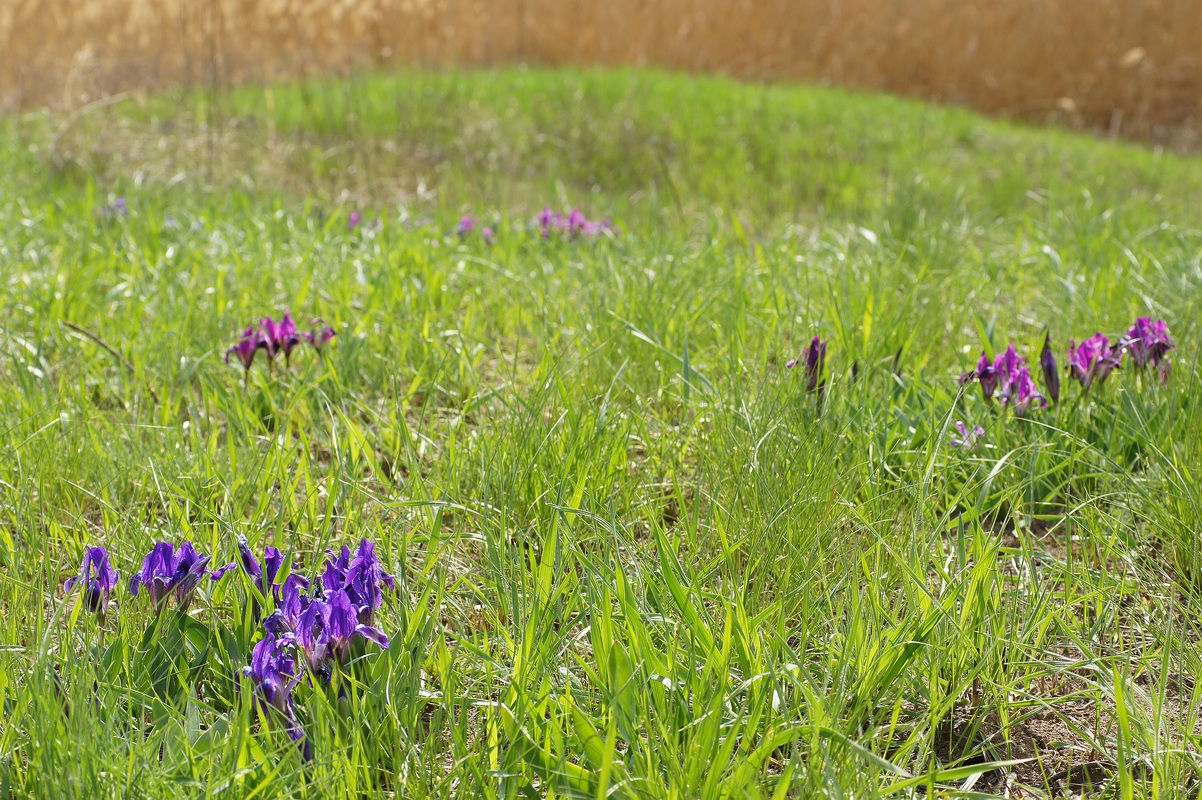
[633, 554]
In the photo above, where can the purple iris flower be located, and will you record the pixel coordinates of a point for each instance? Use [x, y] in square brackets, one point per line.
[319, 337]
[98, 578]
[985, 374]
[814, 358]
[574, 225]
[291, 605]
[1092, 360]
[327, 630]
[246, 348]
[361, 576]
[273, 672]
[1051, 371]
[967, 438]
[1023, 394]
[353, 220]
[488, 235]
[546, 220]
[287, 336]
[1008, 365]
[166, 571]
[1148, 342]
[466, 226]
[264, 574]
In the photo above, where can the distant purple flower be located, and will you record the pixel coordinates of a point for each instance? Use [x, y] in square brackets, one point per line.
[1023, 394]
[1147, 342]
[264, 574]
[170, 222]
[488, 235]
[1092, 360]
[353, 220]
[465, 227]
[1008, 365]
[967, 438]
[269, 337]
[319, 337]
[1051, 371]
[572, 225]
[814, 359]
[985, 374]
[273, 672]
[98, 578]
[166, 571]
[287, 337]
[246, 348]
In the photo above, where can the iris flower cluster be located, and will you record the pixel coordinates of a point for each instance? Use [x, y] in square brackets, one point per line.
[572, 225]
[274, 338]
[468, 225]
[315, 623]
[312, 629]
[1145, 345]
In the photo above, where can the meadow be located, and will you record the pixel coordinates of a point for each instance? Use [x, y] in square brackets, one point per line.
[632, 551]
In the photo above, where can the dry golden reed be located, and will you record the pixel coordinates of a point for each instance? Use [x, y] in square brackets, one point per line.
[1129, 66]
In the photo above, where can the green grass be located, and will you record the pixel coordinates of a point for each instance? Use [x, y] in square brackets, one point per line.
[634, 556]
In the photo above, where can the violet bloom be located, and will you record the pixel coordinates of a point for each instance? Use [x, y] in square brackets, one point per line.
[273, 672]
[1051, 372]
[985, 374]
[353, 220]
[264, 574]
[1008, 366]
[814, 358]
[1147, 342]
[1023, 394]
[343, 625]
[364, 580]
[287, 337]
[246, 348]
[291, 605]
[319, 337]
[1092, 360]
[488, 235]
[98, 578]
[967, 438]
[465, 227]
[166, 571]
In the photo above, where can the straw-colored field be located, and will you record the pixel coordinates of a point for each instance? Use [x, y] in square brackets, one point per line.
[1123, 66]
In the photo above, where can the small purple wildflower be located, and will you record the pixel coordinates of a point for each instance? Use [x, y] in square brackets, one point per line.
[465, 227]
[319, 337]
[360, 576]
[1147, 343]
[985, 374]
[264, 574]
[1051, 372]
[1022, 393]
[814, 359]
[246, 348]
[1092, 360]
[967, 438]
[353, 220]
[273, 672]
[98, 578]
[489, 235]
[166, 571]
[573, 225]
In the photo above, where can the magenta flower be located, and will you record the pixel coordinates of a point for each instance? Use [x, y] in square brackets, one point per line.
[246, 348]
[321, 334]
[573, 225]
[814, 359]
[166, 572]
[98, 578]
[985, 374]
[353, 220]
[1092, 360]
[465, 227]
[1147, 343]
[1023, 394]
[967, 438]
[488, 235]
[1051, 372]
